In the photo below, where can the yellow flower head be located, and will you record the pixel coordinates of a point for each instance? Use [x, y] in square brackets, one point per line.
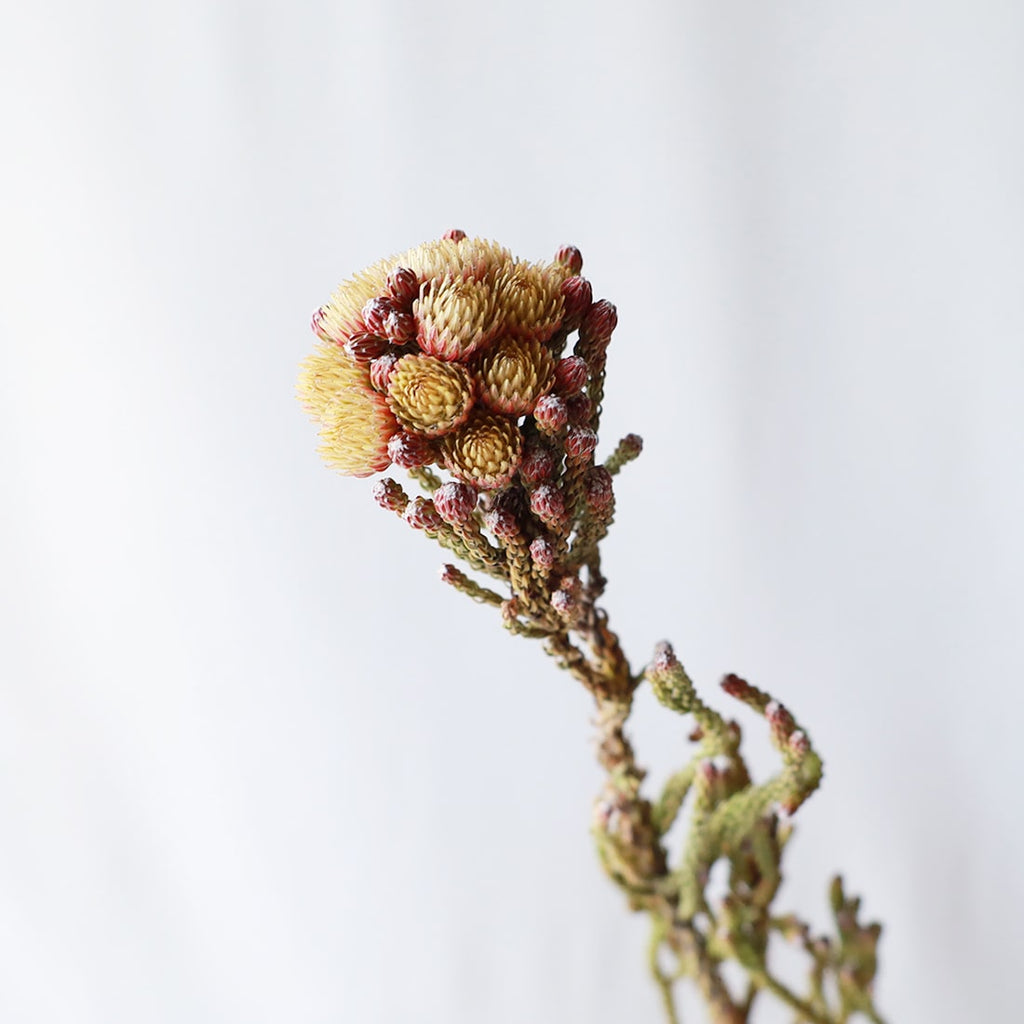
[513, 374]
[355, 422]
[485, 451]
[530, 299]
[456, 316]
[429, 396]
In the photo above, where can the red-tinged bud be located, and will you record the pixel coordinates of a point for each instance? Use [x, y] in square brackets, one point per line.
[411, 450]
[570, 257]
[455, 502]
[599, 322]
[780, 721]
[542, 551]
[664, 657]
[420, 514]
[571, 585]
[548, 504]
[707, 772]
[364, 347]
[598, 490]
[579, 408]
[632, 445]
[317, 323]
[403, 286]
[736, 687]
[381, 369]
[538, 462]
[577, 298]
[799, 743]
[502, 524]
[389, 495]
[455, 234]
[564, 603]
[570, 376]
[580, 443]
[400, 327]
[376, 311]
[451, 575]
[550, 414]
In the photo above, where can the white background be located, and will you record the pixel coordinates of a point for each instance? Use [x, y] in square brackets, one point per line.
[257, 764]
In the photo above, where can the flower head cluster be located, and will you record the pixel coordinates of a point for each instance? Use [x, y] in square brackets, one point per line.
[456, 354]
[453, 343]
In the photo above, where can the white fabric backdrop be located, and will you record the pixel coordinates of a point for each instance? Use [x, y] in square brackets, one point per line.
[256, 763]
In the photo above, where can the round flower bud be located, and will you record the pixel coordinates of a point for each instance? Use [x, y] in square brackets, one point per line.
[403, 286]
[420, 514]
[664, 657]
[571, 585]
[513, 374]
[550, 414]
[400, 327]
[564, 603]
[456, 316]
[598, 490]
[548, 504]
[455, 502]
[571, 258]
[364, 347]
[376, 311]
[429, 396]
[502, 524]
[580, 443]
[389, 495]
[577, 298]
[411, 450]
[455, 234]
[599, 322]
[381, 368]
[579, 408]
[538, 462]
[485, 451]
[570, 376]
[542, 551]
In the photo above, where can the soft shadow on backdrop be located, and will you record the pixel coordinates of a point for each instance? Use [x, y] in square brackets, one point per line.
[256, 763]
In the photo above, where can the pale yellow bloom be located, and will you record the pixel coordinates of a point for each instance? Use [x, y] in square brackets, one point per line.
[456, 317]
[355, 422]
[513, 374]
[485, 451]
[429, 396]
[530, 298]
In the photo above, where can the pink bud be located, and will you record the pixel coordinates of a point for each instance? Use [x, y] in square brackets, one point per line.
[736, 687]
[599, 322]
[548, 504]
[376, 311]
[455, 234]
[780, 720]
[364, 347]
[598, 489]
[580, 443]
[550, 414]
[571, 585]
[664, 657]
[420, 514]
[577, 298]
[389, 495]
[542, 551]
[455, 502]
[579, 408]
[799, 743]
[403, 286]
[564, 603]
[380, 370]
[400, 327]
[538, 462]
[569, 256]
[410, 450]
[570, 375]
[501, 523]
